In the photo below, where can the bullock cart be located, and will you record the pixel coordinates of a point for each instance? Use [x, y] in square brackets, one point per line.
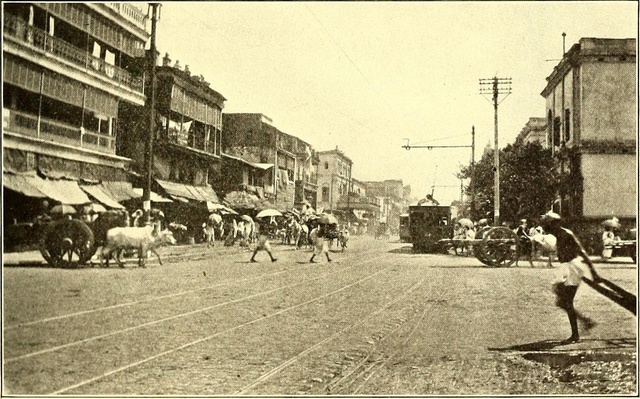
[62, 239]
[493, 246]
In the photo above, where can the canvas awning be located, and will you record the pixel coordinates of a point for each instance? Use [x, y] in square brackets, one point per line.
[155, 197]
[195, 193]
[101, 196]
[21, 183]
[120, 190]
[64, 191]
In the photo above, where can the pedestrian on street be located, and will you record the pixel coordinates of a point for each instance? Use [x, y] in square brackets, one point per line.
[263, 241]
[571, 255]
[525, 247]
[608, 238]
[319, 243]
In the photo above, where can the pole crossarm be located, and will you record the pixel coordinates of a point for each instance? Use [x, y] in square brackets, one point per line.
[408, 147]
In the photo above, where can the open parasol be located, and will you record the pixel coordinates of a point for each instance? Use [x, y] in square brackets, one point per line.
[93, 208]
[63, 209]
[268, 212]
[464, 222]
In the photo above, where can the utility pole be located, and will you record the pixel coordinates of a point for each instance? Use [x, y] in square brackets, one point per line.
[473, 163]
[148, 153]
[496, 86]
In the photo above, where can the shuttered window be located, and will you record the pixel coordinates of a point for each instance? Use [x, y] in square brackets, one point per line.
[62, 88]
[21, 74]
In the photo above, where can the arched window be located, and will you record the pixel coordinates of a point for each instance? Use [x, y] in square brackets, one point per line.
[326, 165]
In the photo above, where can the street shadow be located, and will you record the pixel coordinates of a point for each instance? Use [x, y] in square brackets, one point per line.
[547, 345]
[530, 346]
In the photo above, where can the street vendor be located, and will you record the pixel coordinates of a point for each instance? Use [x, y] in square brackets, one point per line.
[573, 257]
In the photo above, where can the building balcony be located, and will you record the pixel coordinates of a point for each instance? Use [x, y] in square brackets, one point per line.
[183, 139]
[308, 181]
[51, 130]
[19, 31]
[130, 13]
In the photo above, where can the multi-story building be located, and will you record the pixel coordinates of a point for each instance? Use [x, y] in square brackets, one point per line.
[534, 131]
[253, 138]
[591, 107]
[188, 134]
[68, 69]
[306, 174]
[334, 179]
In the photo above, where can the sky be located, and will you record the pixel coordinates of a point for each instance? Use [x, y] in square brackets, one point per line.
[366, 76]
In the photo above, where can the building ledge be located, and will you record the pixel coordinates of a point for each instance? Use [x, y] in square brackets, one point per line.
[51, 148]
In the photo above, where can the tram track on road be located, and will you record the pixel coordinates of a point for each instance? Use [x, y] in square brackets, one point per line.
[10, 359]
[359, 362]
[234, 328]
[245, 390]
[230, 281]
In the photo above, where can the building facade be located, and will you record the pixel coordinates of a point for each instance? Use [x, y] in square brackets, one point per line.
[68, 71]
[187, 146]
[334, 179]
[253, 138]
[591, 104]
[591, 107]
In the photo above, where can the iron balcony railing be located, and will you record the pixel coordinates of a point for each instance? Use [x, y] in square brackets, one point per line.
[19, 30]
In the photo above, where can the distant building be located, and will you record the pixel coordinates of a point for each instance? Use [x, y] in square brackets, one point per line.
[591, 106]
[535, 130]
[334, 178]
[289, 165]
[393, 201]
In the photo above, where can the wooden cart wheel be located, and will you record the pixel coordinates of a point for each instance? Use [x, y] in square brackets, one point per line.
[65, 238]
[500, 246]
[479, 247]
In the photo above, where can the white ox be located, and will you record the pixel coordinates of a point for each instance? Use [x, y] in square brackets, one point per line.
[143, 239]
[546, 243]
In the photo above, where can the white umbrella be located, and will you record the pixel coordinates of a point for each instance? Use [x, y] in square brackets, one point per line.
[63, 209]
[94, 208]
[268, 212]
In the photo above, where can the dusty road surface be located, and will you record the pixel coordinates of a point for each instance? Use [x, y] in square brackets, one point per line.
[378, 320]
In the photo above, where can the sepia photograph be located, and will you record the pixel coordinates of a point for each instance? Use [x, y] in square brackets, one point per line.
[315, 198]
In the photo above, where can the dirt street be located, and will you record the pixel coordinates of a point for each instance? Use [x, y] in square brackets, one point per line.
[378, 320]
